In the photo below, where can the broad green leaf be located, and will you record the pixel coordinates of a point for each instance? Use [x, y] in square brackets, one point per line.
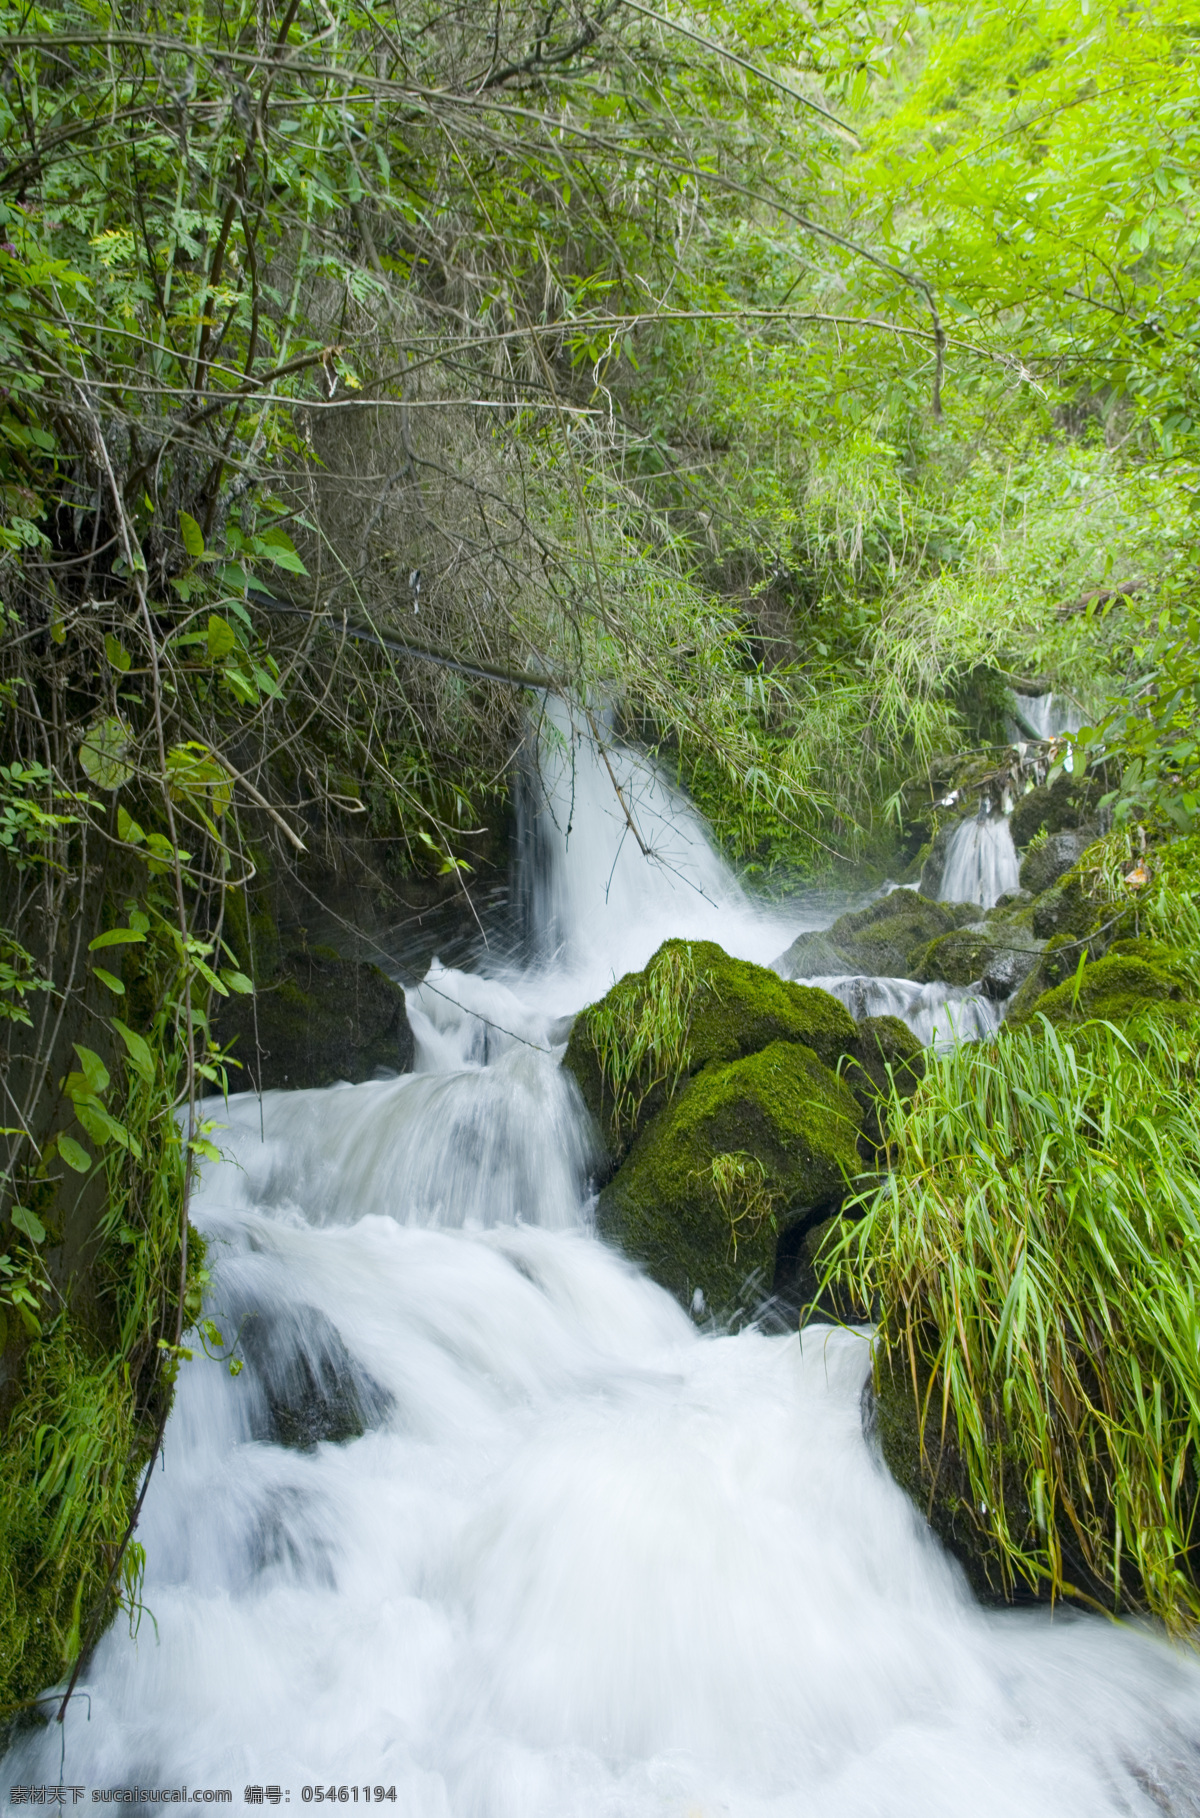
[193, 536]
[29, 1222]
[102, 754]
[128, 829]
[109, 979]
[222, 638]
[73, 1153]
[116, 652]
[140, 1057]
[94, 1070]
[115, 937]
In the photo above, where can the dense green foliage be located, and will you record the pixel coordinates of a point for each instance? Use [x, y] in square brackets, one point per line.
[1031, 1259]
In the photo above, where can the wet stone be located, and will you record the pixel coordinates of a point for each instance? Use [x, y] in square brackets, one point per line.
[312, 1389]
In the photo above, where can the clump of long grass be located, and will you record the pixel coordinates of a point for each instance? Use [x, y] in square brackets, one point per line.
[1033, 1260]
[744, 1194]
[641, 1032]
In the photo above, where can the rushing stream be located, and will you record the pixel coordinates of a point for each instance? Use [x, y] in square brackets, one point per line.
[583, 1560]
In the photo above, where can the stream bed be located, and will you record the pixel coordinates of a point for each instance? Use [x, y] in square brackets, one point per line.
[488, 1520]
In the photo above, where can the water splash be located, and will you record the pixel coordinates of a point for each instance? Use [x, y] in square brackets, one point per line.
[981, 862]
[939, 1015]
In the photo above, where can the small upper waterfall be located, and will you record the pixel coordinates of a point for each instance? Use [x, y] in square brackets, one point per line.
[981, 862]
[613, 860]
[1051, 714]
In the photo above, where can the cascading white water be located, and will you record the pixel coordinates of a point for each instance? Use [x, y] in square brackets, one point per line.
[1050, 715]
[938, 1015]
[981, 862]
[581, 1560]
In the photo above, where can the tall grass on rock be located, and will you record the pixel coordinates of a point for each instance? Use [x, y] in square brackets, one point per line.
[1033, 1260]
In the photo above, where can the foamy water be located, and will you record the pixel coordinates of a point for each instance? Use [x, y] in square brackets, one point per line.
[583, 1560]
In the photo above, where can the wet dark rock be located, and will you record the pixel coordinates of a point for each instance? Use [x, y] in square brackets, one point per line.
[322, 1020]
[1066, 909]
[813, 955]
[802, 1267]
[957, 958]
[881, 939]
[1053, 858]
[1068, 804]
[1007, 967]
[312, 1389]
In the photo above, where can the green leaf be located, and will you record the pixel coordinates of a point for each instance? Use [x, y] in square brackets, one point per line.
[140, 1057]
[102, 754]
[29, 1222]
[107, 978]
[277, 547]
[116, 652]
[193, 536]
[115, 937]
[237, 981]
[202, 1146]
[102, 1127]
[94, 1070]
[222, 638]
[73, 1153]
[128, 829]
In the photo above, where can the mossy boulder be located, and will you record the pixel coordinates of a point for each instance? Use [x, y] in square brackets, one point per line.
[885, 1053]
[931, 1469]
[322, 1020]
[813, 955]
[1052, 858]
[957, 958]
[736, 1009]
[883, 939]
[1069, 802]
[745, 1151]
[1068, 908]
[933, 1472]
[1134, 976]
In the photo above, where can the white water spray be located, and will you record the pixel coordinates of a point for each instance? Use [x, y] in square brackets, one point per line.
[1050, 715]
[939, 1015]
[581, 1560]
[981, 862]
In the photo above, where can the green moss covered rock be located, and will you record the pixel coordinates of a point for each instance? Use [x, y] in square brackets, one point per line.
[1134, 976]
[692, 1006]
[883, 939]
[885, 1053]
[744, 1151]
[1066, 804]
[1052, 858]
[323, 1019]
[958, 958]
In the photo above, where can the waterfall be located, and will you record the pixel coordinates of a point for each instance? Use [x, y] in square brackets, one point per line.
[981, 862]
[615, 860]
[485, 1520]
[1050, 715]
[938, 1015]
